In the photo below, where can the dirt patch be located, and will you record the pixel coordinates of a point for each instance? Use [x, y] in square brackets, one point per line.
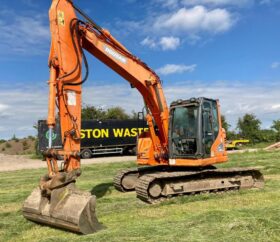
[18, 146]
[275, 146]
[242, 151]
[20, 162]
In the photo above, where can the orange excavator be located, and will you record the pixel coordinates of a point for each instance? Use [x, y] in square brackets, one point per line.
[175, 157]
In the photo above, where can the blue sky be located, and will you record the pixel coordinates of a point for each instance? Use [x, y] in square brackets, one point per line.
[216, 48]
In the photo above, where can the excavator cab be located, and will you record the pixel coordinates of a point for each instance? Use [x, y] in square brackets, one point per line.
[196, 136]
[194, 127]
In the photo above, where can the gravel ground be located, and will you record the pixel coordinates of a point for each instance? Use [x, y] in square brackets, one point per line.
[242, 151]
[19, 162]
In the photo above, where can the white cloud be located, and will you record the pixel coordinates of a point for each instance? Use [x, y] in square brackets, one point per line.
[164, 43]
[189, 23]
[175, 69]
[20, 34]
[3, 107]
[239, 3]
[195, 20]
[151, 43]
[22, 107]
[169, 43]
[168, 3]
[275, 65]
[276, 107]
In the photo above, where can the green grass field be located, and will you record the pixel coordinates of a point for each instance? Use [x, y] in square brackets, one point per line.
[251, 215]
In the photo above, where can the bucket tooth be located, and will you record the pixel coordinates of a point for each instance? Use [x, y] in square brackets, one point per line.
[68, 208]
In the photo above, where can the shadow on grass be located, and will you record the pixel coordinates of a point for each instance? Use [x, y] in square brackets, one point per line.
[101, 189]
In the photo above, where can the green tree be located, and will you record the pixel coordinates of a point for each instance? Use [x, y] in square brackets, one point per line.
[267, 135]
[91, 112]
[276, 127]
[15, 138]
[116, 113]
[230, 134]
[249, 127]
[225, 124]
[134, 115]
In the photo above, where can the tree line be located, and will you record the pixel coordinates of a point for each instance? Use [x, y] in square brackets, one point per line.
[92, 112]
[249, 127]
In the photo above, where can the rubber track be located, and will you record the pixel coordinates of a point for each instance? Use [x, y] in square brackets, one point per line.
[146, 180]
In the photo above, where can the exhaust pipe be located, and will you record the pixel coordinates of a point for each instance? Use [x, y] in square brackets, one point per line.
[66, 208]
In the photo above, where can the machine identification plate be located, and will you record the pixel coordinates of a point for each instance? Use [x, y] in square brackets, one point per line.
[71, 98]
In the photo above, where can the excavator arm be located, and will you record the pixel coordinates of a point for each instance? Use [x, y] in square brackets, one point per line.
[57, 202]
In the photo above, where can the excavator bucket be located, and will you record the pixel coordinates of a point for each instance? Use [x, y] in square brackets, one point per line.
[67, 208]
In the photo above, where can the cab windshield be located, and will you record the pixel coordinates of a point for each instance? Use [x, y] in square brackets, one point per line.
[184, 130]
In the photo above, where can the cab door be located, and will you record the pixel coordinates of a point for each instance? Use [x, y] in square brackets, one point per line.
[210, 125]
